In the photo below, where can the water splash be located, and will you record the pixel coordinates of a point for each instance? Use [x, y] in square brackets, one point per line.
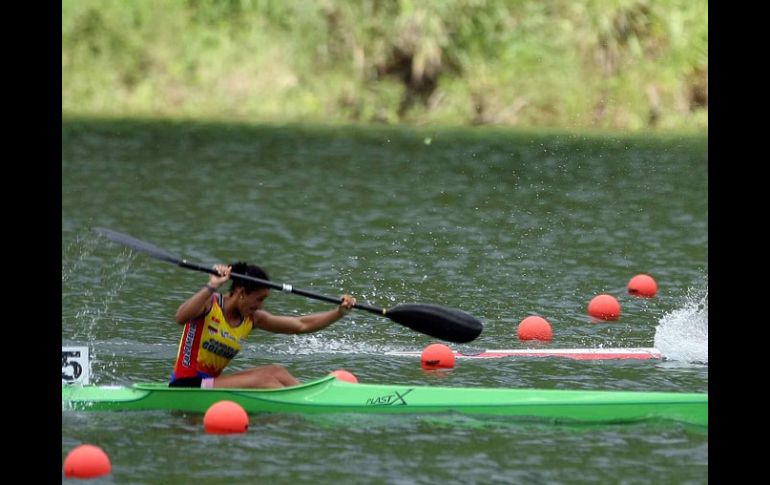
[93, 287]
[683, 334]
[314, 344]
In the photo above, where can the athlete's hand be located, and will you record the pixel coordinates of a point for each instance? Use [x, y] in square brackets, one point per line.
[346, 305]
[224, 275]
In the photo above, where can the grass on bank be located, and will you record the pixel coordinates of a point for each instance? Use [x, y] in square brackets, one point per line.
[610, 64]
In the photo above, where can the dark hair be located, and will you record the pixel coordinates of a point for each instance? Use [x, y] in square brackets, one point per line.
[248, 270]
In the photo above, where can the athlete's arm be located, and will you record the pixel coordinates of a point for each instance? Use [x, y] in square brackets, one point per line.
[304, 324]
[200, 302]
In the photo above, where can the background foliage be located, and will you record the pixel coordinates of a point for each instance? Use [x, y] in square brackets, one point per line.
[618, 64]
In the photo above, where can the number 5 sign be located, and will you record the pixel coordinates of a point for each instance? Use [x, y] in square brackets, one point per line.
[74, 365]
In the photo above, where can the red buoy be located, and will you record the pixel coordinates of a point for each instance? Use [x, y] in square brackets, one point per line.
[344, 375]
[535, 328]
[643, 285]
[437, 356]
[604, 307]
[225, 417]
[86, 461]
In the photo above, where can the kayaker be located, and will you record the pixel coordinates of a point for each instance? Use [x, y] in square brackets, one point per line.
[216, 325]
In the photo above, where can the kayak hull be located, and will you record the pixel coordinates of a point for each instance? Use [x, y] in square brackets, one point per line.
[330, 395]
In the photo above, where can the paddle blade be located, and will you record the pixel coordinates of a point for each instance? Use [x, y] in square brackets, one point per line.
[137, 245]
[437, 321]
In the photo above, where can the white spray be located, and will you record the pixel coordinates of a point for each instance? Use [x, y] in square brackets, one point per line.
[683, 334]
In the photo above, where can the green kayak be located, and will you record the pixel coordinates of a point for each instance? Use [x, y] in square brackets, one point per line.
[330, 395]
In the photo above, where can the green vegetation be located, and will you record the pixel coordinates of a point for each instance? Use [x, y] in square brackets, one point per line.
[609, 64]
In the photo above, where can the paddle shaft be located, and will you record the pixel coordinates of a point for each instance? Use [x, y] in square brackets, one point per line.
[280, 286]
[436, 321]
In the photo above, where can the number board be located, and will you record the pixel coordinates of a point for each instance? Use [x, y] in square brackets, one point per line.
[74, 365]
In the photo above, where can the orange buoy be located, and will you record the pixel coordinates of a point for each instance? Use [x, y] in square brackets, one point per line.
[535, 328]
[86, 461]
[437, 356]
[344, 375]
[643, 285]
[604, 307]
[225, 417]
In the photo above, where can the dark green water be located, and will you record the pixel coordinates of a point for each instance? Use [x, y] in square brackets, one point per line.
[500, 224]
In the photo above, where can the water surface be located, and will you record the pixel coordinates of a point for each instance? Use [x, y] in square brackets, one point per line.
[500, 224]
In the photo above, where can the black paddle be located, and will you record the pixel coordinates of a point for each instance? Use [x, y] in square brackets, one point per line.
[437, 321]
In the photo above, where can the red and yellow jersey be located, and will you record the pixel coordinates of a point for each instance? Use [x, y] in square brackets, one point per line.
[209, 343]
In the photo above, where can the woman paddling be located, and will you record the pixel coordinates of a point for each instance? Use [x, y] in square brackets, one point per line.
[216, 325]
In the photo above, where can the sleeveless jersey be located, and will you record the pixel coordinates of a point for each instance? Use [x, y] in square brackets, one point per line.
[209, 343]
